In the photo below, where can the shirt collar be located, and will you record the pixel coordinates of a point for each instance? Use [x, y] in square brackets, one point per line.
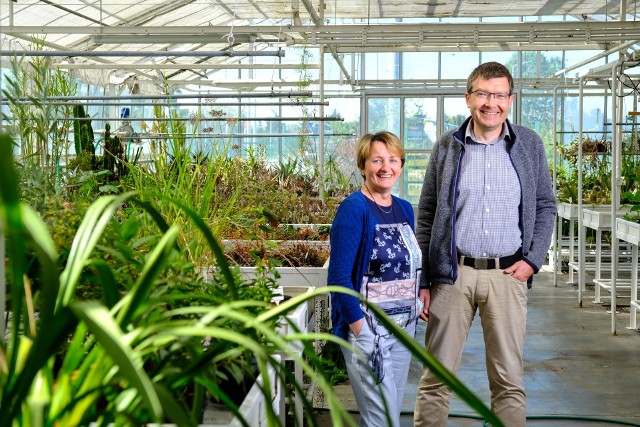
[469, 135]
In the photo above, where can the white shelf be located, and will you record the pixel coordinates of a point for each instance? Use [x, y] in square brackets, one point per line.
[600, 218]
[628, 231]
[570, 210]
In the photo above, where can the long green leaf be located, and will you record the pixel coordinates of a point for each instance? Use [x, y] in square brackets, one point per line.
[152, 268]
[91, 228]
[14, 229]
[417, 350]
[44, 345]
[101, 323]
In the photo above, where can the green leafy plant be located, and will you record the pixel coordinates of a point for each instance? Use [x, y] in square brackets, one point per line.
[137, 355]
[632, 199]
[596, 171]
[39, 125]
[148, 354]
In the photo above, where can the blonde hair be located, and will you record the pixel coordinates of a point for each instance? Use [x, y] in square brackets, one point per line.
[389, 139]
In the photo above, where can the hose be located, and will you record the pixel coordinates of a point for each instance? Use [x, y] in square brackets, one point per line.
[529, 418]
[551, 417]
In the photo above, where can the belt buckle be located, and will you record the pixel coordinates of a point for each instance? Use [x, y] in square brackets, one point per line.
[481, 263]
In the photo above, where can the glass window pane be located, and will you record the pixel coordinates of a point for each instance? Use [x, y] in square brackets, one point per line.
[383, 114]
[504, 58]
[573, 57]
[420, 115]
[458, 65]
[381, 66]
[415, 167]
[420, 65]
[455, 112]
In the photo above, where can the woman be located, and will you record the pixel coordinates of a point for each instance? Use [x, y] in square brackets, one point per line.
[375, 253]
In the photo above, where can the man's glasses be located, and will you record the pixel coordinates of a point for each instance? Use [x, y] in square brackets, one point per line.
[485, 96]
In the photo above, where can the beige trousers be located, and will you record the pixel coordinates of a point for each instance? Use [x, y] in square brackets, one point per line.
[502, 304]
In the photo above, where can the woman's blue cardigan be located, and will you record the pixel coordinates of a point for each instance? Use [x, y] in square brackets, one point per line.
[351, 236]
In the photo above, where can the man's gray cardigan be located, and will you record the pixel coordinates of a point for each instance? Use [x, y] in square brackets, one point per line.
[436, 219]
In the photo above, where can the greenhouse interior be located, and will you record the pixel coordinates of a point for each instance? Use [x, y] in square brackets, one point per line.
[171, 171]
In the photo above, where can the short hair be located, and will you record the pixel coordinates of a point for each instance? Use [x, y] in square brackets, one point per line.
[489, 70]
[364, 146]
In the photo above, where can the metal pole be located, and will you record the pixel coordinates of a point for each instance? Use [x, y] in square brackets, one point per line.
[321, 138]
[557, 239]
[616, 120]
[581, 230]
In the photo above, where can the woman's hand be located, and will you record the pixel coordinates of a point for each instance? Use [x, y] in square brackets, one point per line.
[356, 327]
[425, 297]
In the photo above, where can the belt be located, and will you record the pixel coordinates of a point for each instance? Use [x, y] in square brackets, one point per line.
[490, 263]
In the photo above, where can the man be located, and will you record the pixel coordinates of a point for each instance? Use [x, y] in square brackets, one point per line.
[485, 219]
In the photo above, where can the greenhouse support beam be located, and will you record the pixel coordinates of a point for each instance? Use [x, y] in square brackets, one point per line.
[208, 66]
[617, 107]
[321, 147]
[193, 104]
[557, 232]
[285, 94]
[136, 54]
[581, 228]
[219, 136]
[210, 119]
[596, 57]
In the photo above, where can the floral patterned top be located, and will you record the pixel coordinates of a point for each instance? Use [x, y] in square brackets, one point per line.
[393, 277]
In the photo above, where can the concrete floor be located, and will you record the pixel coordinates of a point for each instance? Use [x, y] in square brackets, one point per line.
[574, 366]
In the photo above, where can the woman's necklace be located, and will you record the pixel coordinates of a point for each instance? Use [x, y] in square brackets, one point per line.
[380, 207]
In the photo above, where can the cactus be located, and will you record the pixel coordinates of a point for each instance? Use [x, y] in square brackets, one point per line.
[83, 137]
[113, 153]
